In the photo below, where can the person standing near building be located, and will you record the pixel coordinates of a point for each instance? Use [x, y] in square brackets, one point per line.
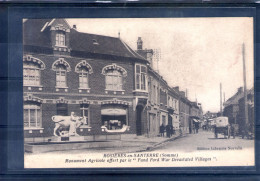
[171, 130]
[162, 128]
[168, 131]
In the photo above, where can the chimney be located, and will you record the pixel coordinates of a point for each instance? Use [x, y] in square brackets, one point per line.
[74, 27]
[182, 93]
[240, 90]
[176, 88]
[139, 44]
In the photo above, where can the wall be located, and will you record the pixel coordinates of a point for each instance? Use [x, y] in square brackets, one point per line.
[49, 94]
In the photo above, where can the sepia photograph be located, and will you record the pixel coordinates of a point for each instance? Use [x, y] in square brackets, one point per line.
[139, 92]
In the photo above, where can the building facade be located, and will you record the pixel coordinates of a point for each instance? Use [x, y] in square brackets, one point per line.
[231, 107]
[68, 71]
[241, 114]
[99, 78]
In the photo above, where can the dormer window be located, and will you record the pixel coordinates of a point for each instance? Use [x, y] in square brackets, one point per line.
[60, 39]
[95, 42]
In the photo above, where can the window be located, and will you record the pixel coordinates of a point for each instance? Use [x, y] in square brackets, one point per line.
[141, 77]
[163, 120]
[61, 76]
[84, 112]
[83, 79]
[114, 116]
[114, 80]
[62, 109]
[32, 115]
[154, 94]
[84, 70]
[31, 74]
[60, 39]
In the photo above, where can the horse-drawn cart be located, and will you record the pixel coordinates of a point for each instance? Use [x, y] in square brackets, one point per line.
[222, 126]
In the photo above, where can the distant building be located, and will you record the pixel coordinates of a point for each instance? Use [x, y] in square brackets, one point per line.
[241, 114]
[185, 106]
[163, 101]
[231, 107]
[210, 115]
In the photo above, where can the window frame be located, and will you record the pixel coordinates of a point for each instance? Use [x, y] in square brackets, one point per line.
[81, 82]
[82, 111]
[116, 81]
[35, 67]
[38, 115]
[142, 76]
[62, 108]
[58, 41]
[58, 73]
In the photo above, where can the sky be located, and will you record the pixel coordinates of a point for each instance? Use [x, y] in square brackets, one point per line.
[197, 54]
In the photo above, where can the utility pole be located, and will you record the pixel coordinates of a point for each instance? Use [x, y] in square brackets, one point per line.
[221, 99]
[245, 91]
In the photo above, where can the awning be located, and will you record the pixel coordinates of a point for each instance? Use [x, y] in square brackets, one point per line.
[195, 120]
[113, 112]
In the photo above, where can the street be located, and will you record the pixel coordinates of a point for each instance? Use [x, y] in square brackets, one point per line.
[200, 149]
[205, 140]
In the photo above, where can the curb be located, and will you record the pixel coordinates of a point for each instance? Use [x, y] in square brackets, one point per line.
[156, 145]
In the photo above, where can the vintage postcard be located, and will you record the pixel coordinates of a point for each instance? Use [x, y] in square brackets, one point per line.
[140, 92]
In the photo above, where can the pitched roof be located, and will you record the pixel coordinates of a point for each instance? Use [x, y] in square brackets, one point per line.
[83, 42]
[234, 99]
[32, 34]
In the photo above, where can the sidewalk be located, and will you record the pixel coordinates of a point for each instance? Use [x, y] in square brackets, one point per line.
[142, 143]
[126, 144]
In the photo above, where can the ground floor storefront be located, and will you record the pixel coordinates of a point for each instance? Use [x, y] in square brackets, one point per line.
[101, 117]
[104, 118]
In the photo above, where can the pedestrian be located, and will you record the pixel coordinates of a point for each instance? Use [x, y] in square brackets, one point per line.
[168, 131]
[171, 130]
[197, 127]
[162, 128]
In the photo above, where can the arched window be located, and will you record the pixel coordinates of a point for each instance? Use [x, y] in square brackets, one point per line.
[32, 71]
[114, 77]
[83, 79]
[31, 74]
[114, 80]
[32, 115]
[61, 67]
[61, 76]
[83, 69]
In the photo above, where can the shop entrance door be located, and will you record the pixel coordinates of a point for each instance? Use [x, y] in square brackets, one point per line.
[139, 110]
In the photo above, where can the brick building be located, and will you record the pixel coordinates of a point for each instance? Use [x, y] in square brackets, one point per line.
[231, 107]
[98, 77]
[163, 101]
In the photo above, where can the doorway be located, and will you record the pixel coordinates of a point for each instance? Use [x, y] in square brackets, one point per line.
[139, 110]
